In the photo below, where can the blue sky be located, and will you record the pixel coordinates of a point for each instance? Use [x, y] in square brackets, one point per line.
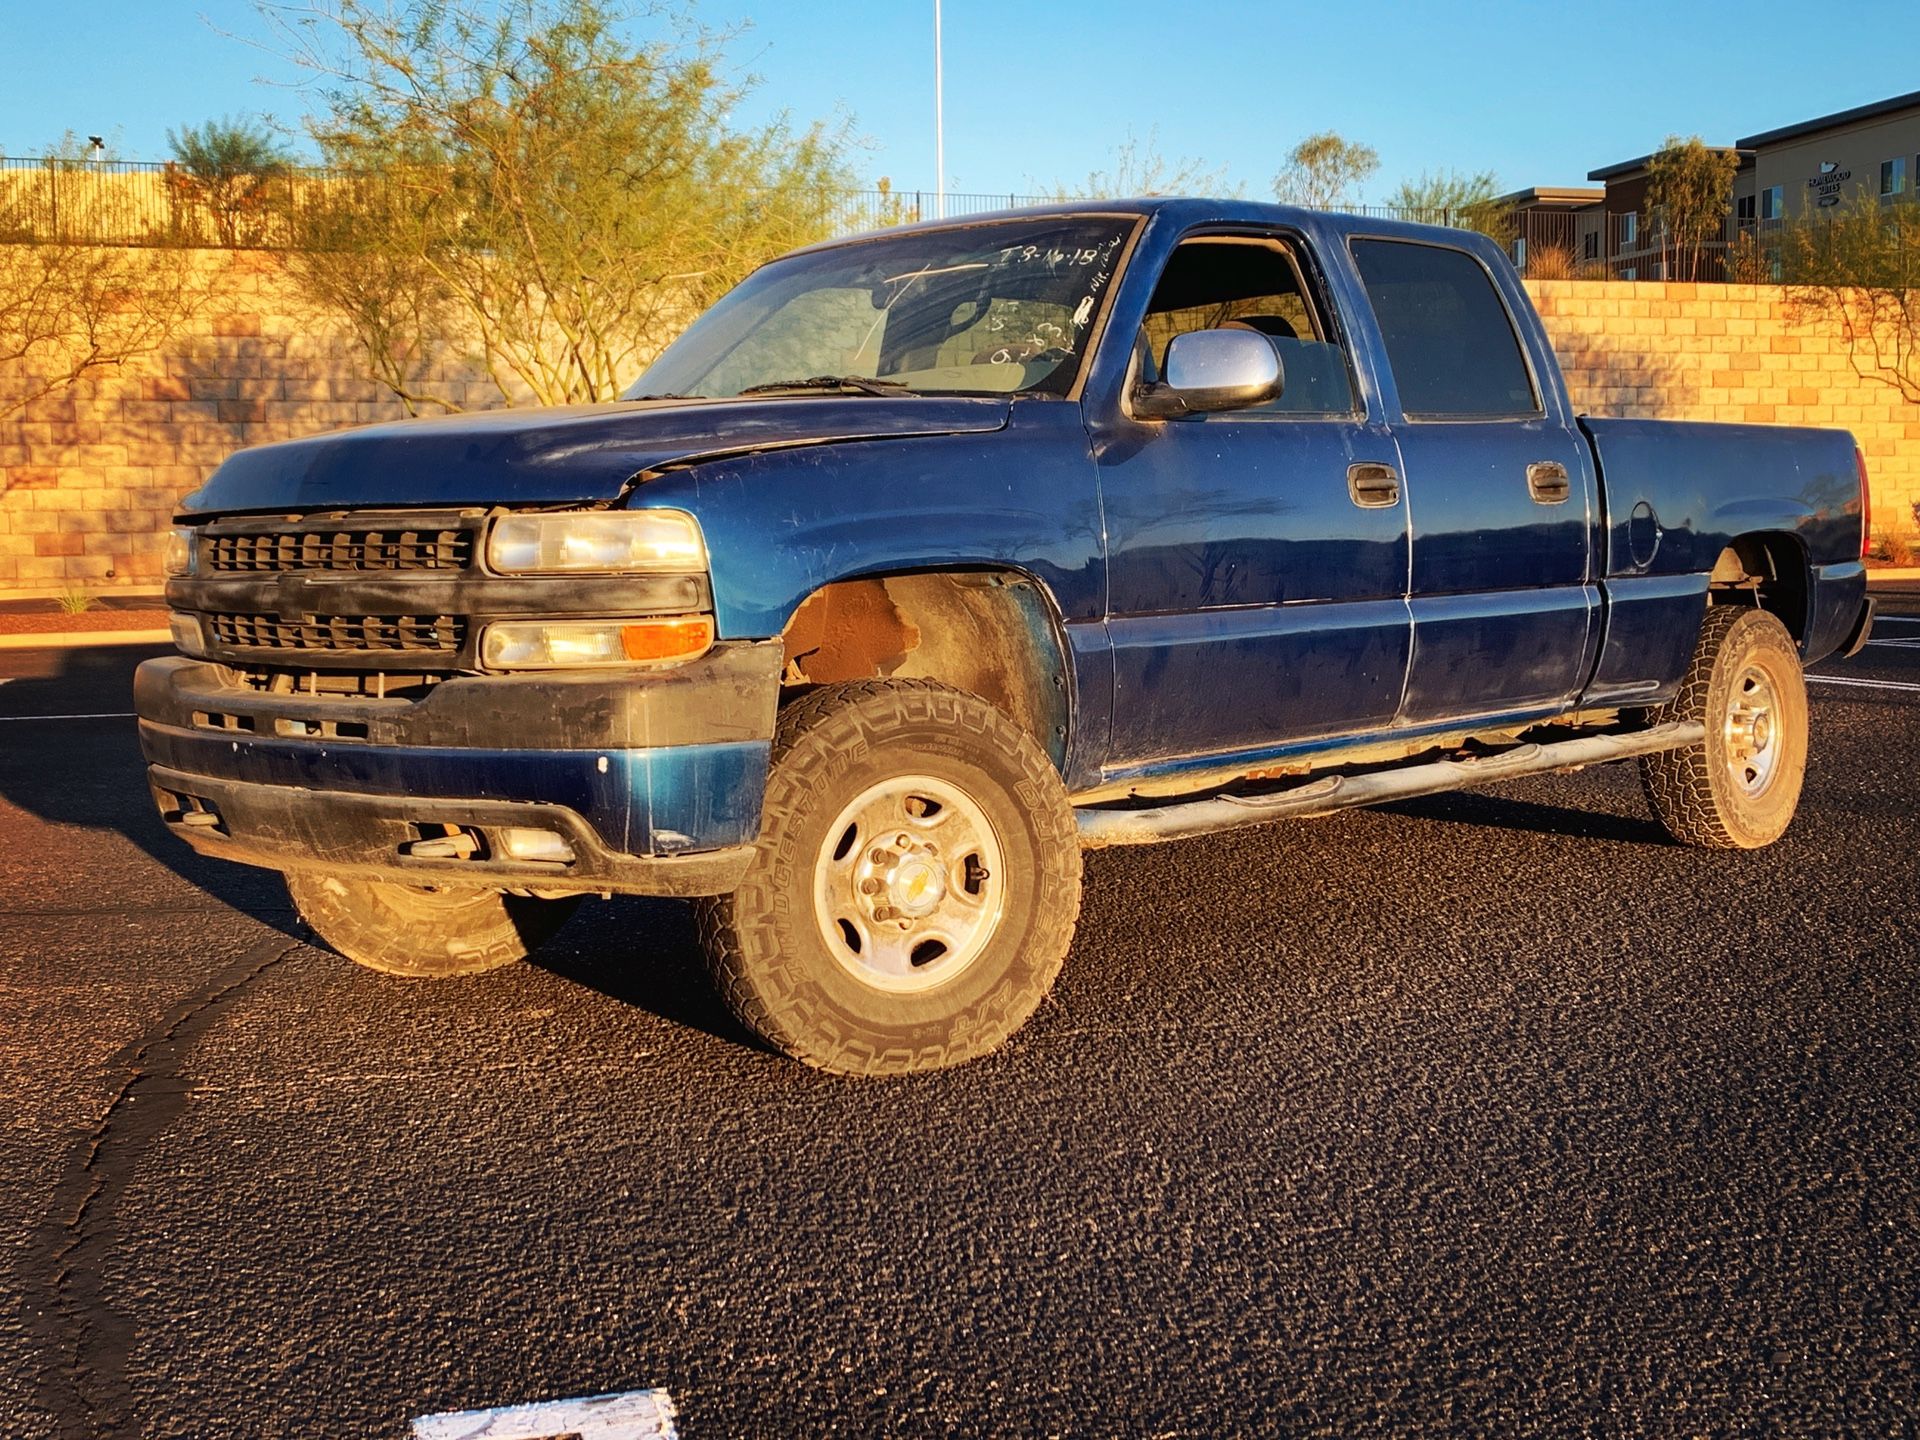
[1540, 93]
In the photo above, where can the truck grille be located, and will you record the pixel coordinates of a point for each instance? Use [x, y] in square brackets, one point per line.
[326, 549]
[437, 634]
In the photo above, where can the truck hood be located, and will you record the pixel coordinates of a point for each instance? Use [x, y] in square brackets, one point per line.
[576, 453]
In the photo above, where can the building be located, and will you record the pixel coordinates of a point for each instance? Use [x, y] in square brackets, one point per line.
[1824, 163]
[1554, 226]
[1628, 235]
[1784, 174]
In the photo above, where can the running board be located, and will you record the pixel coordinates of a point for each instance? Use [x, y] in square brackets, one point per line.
[1100, 828]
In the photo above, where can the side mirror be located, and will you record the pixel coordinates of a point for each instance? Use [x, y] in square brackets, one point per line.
[1210, 370]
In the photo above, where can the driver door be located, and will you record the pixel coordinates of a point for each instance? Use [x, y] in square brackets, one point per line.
[1257, 558]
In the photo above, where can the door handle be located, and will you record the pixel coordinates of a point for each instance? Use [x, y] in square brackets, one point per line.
[1372, 485]
[1547, 482]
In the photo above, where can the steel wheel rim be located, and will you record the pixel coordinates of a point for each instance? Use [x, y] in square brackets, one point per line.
[909, 884]
[1752, 731]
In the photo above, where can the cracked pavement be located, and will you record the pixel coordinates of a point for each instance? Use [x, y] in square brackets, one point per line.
[1488, 1113]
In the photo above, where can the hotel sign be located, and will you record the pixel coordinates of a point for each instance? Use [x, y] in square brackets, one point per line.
[1826, 185]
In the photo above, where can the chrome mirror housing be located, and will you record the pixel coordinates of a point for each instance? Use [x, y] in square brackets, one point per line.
[1211, 370]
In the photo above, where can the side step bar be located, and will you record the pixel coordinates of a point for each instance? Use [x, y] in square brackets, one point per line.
[1100, 828]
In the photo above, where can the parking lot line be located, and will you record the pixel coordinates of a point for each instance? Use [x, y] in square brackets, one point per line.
[97, 715]
[1863, 684]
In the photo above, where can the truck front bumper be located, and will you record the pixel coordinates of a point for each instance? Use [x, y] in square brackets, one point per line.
[654, 782]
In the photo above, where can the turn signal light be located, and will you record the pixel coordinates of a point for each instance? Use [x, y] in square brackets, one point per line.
[583, 644]
[676, 639]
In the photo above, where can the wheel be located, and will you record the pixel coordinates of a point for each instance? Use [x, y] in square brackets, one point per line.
[915, 887]
[1737, 790]
[427, 932]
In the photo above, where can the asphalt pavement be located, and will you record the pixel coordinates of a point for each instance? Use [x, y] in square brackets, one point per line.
[1490, 1114]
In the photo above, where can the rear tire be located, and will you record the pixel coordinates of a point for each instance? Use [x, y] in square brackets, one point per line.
[915, 888]
[424, 932]
[1738, 789]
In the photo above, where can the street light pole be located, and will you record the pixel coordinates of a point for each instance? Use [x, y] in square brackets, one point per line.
[939, 123]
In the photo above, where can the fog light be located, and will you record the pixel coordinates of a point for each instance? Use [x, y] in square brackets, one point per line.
[522, 843]
[188, 638]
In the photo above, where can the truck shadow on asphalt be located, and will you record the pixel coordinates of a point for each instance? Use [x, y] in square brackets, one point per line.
[645, 954]
[87, 773]
[1501, 812]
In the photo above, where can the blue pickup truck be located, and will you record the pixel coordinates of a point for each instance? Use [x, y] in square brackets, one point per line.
[930, 558]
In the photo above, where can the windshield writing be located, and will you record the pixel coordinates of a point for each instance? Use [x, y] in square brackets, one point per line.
[1001, 308]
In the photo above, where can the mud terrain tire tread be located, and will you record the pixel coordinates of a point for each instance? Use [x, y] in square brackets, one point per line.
[1691, 790]
[424, 935]
[759, 941]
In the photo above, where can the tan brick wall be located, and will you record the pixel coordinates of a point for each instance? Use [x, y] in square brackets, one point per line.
[1672, 351]
[89, 477]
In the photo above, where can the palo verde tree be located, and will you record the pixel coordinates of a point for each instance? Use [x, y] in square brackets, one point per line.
[1690, 186]
[1857, 268]
[1448, 197]
[1140, 169]
[1322, 171]
[530, 181]
[230, 168]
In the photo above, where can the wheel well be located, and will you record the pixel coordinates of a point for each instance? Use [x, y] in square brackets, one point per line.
[992, 633]
[1768, 570]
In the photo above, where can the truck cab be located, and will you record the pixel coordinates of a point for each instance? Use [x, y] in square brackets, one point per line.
[929, 558]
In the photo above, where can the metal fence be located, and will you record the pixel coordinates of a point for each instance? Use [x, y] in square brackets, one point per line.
[121, 202]
[77, 201]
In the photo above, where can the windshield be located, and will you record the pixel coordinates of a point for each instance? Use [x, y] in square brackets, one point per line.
[998, 309]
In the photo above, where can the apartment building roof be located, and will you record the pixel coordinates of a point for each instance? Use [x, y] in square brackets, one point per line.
[1874, 111]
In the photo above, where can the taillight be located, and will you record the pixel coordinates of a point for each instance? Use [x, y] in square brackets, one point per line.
[1866, 504]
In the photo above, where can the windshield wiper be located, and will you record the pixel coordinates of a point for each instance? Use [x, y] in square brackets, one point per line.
[858, 384]
[666, 395]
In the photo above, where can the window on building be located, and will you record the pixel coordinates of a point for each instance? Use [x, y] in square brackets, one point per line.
[1629, 230]
[1743, 209]
[1773, 202]
[1520, 253]
[1893, 177]
[1448, 335]
[1591, 245]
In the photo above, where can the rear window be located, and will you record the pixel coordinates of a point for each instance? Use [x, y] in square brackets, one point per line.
[1448, 335]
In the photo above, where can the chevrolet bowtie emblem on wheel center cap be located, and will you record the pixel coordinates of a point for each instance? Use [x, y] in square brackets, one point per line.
[916, 887]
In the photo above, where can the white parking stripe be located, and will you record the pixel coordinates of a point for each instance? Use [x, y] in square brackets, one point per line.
[1897, 644]
[628, 1415]
[1863, 684]
[1880, 620]
[102, 715]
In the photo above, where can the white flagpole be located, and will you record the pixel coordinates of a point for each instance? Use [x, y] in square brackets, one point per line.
[939, 123]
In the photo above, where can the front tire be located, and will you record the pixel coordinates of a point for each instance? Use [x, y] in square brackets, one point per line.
[424, 932]
[1737, 789]
[916, 884]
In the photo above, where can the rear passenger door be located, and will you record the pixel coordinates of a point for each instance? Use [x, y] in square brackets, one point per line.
[1500, 489]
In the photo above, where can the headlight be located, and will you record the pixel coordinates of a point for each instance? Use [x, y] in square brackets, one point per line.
[571, 644]
[178, 559]
[595, 542]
